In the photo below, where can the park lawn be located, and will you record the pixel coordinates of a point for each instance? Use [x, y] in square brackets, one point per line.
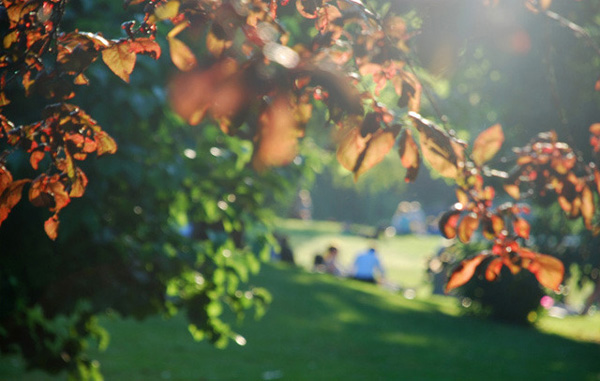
[404, 258]
[323, 328]
[320, 327]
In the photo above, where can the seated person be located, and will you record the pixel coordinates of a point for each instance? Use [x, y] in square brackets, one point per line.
[367, 267]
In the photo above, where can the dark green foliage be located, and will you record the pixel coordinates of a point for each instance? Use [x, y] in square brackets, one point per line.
[511, 298]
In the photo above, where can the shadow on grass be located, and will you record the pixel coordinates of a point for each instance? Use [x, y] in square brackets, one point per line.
[322, 328]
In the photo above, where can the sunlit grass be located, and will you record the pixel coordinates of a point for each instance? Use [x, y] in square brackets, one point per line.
[320, 327]
[403, 257]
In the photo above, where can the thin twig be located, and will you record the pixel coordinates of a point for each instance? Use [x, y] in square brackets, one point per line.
[577, 30]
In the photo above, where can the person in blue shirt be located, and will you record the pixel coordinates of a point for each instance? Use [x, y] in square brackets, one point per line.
[367, 267]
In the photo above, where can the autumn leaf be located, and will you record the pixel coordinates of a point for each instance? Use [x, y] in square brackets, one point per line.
[35, 158]
[51, 226]
[120, 59]
[487, 144]
[307, 9]
[79, 184]
[38, 192]
[588, 207]
[215, 45]
[521, 227]
[464, 272]
[146, 46]
[493, 269]
[513, 191]
[167, 11]
[5, 178]
[10, 196]
[350, 148]
[467, 227]
[181, 55]
[449, 222]
[548, 270]
[105, 143]
[277, 138]
[409, 155]
[380, 143]
[436, 147]
[61, 197]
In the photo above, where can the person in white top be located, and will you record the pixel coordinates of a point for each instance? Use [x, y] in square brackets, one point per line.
[367, 267]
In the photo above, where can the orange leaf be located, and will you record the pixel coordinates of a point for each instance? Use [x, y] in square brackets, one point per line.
[277, 137]
[380, 143]
[449, 223]
[493, 269]
[595, 129]
[545, 4]
[105, 143]
[61, 197]
[215, 45]
[467, 227]
[10, 197]
[51, 227]
[145, 46]
[548, 270]
[181, 55]
[587, 206]
[513, 191]
[79, 184]
[5, 178]
[409, 155]
[521, 227]
[350, 148]
[120, 59]
[464, 272]
[35, 158]
[38, 192]
[487, 144]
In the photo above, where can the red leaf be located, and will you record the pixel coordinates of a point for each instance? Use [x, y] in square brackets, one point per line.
[10, 197]
[587, 206]
[409, 155]
[487, 144]
[467, 227]
[51, 227]
[464, 271]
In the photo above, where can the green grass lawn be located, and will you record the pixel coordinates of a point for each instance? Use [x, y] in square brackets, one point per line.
[403, 257]
[324, 328]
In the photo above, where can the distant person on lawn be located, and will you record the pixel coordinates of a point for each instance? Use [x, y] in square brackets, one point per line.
[367, 267]
[331, 262]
